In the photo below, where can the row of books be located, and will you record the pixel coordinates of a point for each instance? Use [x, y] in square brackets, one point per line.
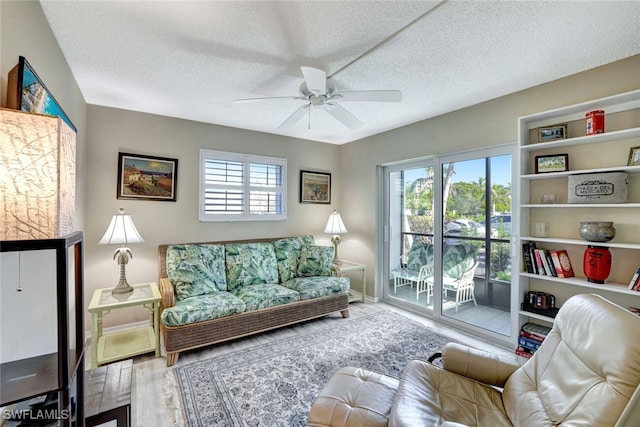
[545, 262]
[634, 285]
[530, 339]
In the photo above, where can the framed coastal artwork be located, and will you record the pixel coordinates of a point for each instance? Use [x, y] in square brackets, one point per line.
[27, 92]
[315, 187]
[142, 177]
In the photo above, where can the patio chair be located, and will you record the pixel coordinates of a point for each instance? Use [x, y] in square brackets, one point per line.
[418, 269]
[459, 267]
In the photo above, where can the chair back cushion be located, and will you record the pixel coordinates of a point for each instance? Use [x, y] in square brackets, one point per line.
[420, 254]
[584, 373]
[456, 259]
[315, 261]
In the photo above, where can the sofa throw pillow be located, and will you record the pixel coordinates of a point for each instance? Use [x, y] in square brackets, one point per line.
[250, 263]
[288, 255]
[315, 261]
[196, 269]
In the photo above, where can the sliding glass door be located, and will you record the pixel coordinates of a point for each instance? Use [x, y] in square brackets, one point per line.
[448, 237]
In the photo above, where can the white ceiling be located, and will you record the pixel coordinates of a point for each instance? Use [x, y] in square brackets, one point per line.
[191, 59]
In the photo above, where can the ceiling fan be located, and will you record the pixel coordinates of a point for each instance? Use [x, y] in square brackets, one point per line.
[315, 92]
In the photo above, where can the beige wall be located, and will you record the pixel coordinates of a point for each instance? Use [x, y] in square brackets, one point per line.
[112, 131]
[490, 123]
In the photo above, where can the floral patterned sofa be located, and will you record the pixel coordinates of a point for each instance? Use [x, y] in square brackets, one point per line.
[216, 291]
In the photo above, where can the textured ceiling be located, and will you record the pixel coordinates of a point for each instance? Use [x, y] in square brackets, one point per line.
[192, 59]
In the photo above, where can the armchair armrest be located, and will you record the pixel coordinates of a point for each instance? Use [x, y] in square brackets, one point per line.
[166, 290]
[477, 364]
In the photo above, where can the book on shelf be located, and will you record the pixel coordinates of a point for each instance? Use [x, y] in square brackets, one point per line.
[536, 330]
[548, 262]
[523, 352]
[539, 264]
[562, 263]
[527, 343]
[636, 285]
[534, 265]
[526, 254]
[634, 280]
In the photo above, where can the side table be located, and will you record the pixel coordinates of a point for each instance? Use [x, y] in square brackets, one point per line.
[108, 394]
[353, 266]
[121, 345]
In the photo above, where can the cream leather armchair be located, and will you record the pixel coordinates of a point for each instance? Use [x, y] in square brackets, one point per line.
[586, 373]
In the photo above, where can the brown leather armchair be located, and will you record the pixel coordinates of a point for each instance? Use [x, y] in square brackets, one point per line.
[586, 373]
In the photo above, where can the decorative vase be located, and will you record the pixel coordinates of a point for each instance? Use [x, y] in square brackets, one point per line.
[597, 231]
[597, 263]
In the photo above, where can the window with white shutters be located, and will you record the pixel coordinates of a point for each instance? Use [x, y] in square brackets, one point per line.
[241, 187]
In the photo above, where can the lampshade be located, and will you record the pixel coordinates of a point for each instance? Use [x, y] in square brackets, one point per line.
[121, 230]
[37, 176]
[335, 224]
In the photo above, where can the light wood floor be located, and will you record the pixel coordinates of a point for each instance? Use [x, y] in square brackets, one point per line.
[149, 385]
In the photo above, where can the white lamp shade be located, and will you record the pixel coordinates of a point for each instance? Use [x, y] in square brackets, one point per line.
[335, 224]
[121, 231]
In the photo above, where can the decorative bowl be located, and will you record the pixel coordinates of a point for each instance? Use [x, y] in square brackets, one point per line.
[597, 231]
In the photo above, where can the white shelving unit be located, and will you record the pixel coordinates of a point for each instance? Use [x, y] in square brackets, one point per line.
[605, 152]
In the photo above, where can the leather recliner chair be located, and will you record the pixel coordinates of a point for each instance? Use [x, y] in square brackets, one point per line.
[585, 373]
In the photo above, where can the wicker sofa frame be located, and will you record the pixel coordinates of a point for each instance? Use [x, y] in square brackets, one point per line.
[200, 334]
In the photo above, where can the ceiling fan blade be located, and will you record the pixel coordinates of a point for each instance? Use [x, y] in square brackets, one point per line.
[369, 96]
[270, 98]
[316, 79]
[343, 116]
[293, 119]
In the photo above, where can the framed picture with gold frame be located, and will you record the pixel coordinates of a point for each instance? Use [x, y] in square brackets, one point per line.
[634, 156]
[315, 187]
[142, 177]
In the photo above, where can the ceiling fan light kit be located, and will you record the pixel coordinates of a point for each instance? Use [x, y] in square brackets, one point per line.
[314, 92]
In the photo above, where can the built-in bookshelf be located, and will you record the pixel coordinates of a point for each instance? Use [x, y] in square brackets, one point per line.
[598, 153]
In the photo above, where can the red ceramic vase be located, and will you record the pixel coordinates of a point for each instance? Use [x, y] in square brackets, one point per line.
[597, 263]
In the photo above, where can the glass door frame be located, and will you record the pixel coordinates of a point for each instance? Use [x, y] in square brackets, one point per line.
[383, 235]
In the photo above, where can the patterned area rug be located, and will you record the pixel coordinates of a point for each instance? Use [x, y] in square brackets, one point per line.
[275, 384]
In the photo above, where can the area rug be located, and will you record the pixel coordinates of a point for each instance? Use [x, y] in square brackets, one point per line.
[275, 384]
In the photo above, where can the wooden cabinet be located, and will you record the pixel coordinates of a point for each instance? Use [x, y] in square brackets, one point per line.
[599, 153]
[57, 376]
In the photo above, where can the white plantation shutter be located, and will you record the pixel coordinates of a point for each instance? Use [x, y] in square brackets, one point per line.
[241, 187]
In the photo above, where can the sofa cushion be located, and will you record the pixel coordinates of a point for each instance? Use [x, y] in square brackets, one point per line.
[288, 255]
[196, 269]
[203, 307]
[428, 395]
[315, 261]
[265, 295]
[318, 286]
[249, 264]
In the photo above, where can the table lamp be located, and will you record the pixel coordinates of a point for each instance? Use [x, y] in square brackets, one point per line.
[121, 231]
[335, 227]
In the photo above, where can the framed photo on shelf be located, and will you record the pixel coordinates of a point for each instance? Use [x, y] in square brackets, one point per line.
[315, 187]
[552, 163]
[143, 177]
[634, 156]
[552, 133]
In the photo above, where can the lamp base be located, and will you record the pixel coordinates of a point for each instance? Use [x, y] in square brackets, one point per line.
[123, 287]
[336, 241]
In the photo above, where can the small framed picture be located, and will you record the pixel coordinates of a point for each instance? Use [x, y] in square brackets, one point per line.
[147, 177]
[634, 156]
[552, 163]
[548, 199]
[315, 187]
[552, 133]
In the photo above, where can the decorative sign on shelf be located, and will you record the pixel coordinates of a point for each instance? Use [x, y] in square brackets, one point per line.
[606, 187]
